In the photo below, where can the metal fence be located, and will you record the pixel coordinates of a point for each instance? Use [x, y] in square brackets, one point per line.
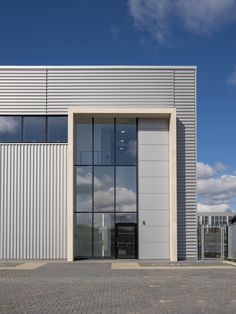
[213, 242]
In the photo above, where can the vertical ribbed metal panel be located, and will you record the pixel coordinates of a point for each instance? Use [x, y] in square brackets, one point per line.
[109, 86]
[33, 202]
[185, 103]
[22, 91]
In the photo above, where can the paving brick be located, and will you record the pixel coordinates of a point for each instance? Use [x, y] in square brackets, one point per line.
[96, 288]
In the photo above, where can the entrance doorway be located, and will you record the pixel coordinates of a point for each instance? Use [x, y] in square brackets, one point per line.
[126, 240]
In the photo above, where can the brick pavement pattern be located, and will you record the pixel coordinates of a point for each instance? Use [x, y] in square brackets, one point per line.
[96, 288]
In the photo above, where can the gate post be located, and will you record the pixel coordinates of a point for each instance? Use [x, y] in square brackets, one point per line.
[202, 242]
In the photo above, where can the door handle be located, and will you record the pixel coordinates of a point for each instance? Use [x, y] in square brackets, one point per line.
[117, 243]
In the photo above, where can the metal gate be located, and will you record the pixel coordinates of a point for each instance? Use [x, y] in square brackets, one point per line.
[213, 242]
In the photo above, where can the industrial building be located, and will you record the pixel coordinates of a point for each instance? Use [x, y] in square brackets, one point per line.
[98, 162]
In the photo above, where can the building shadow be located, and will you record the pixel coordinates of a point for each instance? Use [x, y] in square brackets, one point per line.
[181, 191]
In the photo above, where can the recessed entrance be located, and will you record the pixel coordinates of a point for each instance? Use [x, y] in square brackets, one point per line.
[104, 185]
[126, 240]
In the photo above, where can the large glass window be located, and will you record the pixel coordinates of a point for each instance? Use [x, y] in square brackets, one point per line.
[104, 189]
[84, 144]
[105, 168]
[34, 129]
[83, 235]
[57, 129]
[84, 189]
[104, 141]
[103, 234]
[125, 141]
[125, 189]
[10, 129]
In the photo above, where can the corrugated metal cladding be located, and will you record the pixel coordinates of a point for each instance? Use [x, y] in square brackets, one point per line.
[51, 90]
[22, 91]
[185, 103]
[108, 86]
[33, 201]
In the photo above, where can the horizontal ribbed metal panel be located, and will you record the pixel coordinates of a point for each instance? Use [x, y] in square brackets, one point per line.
[117, 87]
[185, 98]
[33, 201]
[22, 91]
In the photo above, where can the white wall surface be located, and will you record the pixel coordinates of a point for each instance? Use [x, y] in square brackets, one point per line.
[153, 186]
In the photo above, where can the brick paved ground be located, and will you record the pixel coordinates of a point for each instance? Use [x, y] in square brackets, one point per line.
[95, 288]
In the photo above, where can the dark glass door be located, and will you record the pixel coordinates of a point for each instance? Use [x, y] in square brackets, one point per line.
[126, 240]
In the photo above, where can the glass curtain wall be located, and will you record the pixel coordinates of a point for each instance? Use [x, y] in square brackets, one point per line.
[105, 171]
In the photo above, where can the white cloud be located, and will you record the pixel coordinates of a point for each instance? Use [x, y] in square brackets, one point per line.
[219, 167]
[161, 17]
[153, 16]
[232, 77]
[204, 16]
[216, 189]
[212, 208]
[206, 171]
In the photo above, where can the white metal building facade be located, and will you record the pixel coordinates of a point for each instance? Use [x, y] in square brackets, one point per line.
[38, 214]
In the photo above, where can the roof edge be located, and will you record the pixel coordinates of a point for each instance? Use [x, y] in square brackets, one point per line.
[70, 67]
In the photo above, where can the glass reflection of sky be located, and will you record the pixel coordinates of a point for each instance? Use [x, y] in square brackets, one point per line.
[125, 188]
[104, 181]
[83, 235]
[125, 141]
[84, 141]
[10, 129]
[57, 129]
[34, 129]
[103, 188]
[84, 189]
[104, 141]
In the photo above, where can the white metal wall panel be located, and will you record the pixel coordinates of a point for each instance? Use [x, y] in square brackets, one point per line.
[108, 86]
[22, 91]
[33, 201]
[153, 184]
[185, 103]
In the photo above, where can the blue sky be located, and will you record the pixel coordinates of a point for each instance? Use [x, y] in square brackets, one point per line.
[144, 32]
